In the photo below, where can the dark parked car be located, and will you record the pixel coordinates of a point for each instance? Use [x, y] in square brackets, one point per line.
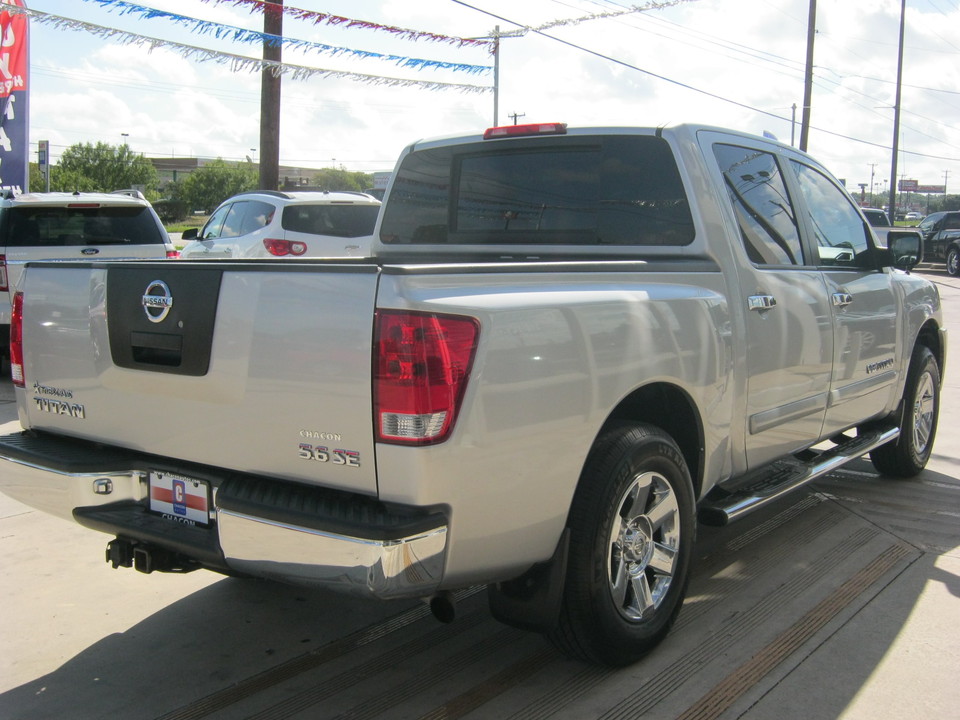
[876, 217]
[941, 239]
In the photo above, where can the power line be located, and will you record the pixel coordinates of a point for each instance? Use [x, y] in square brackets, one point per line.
[700, 91]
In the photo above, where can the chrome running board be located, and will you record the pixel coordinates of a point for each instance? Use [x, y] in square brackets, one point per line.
[764, 486]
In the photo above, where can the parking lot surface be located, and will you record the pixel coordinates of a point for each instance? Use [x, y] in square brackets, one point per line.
[841, 601]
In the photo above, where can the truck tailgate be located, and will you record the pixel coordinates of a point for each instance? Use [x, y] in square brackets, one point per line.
[261, 367]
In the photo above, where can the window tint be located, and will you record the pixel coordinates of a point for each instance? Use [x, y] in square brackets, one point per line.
[256, 215]
[335, 220]
[245, 217]
[60, 226]
[768, 225]
[602, 190]
[838, 228]
[952, 222]
[215, 223]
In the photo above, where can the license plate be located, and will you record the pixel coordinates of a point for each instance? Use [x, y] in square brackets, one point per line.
[180, 498]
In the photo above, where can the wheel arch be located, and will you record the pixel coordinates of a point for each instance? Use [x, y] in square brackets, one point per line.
[670, 408]
[930, 336]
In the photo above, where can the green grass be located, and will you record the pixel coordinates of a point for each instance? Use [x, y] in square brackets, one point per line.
[194, 221]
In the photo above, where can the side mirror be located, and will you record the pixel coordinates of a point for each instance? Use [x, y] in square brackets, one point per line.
[905, 248]
[190, 234]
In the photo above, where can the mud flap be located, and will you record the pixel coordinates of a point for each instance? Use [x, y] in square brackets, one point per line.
[532, 601]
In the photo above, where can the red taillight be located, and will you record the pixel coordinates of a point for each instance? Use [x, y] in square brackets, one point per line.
[421, 365]
[173, 254]
[4, 284]
[16, 340]
[525, 130]
[284, 247]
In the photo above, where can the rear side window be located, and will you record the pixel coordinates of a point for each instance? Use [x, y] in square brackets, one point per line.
[63, 226]
[572, 190]
[335, 220]
[246, 217]
[768, 224]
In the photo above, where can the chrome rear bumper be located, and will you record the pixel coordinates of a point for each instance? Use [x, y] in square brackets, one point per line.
[258, 526]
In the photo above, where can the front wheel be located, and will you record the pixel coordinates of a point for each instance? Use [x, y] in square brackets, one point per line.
[953, 261]
[632, 529]
[920, 408]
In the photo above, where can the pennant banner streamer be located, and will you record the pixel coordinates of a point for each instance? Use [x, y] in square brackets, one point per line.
[593, 16]
[236, 62]
[321, 18]
[236, 34]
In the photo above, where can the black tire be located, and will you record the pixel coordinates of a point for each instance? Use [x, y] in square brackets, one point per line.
[632, 529]
[953, 261]
[919, 410]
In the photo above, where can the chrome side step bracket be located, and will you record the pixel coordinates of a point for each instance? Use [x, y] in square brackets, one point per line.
[783, 476]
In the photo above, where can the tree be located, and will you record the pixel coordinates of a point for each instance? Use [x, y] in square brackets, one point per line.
[209, 185]
[102, 168]
[334, 179]
[37, 182]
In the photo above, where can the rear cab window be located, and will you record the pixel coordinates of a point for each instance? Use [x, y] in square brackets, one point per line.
[614, 190]
[39, 226]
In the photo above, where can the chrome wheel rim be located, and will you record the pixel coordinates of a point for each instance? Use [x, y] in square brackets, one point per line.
[924, 408]
[643, 546]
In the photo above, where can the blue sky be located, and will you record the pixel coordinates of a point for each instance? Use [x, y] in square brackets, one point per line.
[734, 63]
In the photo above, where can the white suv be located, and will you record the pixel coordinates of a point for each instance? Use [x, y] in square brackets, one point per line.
[72, 226]
[268, 224]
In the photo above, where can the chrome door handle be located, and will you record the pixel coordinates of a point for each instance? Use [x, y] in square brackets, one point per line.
[761, 302]
[842, 299]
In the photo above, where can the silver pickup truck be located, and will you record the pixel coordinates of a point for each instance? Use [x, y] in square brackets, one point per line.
[569, 347]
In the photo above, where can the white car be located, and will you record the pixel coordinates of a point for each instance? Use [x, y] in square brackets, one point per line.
[73, 226]
[269, 224]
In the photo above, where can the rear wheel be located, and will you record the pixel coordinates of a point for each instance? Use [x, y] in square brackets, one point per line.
[953, 261]
[920, 407]
[632, 531]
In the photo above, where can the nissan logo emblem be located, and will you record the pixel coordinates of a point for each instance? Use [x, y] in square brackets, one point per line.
[157, 301]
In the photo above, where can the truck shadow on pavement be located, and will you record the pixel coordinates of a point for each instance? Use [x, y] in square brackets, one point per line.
[849, 588]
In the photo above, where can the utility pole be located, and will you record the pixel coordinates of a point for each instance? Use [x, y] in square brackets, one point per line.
[808, 77]
[516, 116]
[496, 76]
[270, 98]
[896, 119]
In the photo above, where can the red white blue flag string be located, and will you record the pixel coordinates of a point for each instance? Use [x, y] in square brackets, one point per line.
[242, 35]
[322, 18]
[235, 62]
